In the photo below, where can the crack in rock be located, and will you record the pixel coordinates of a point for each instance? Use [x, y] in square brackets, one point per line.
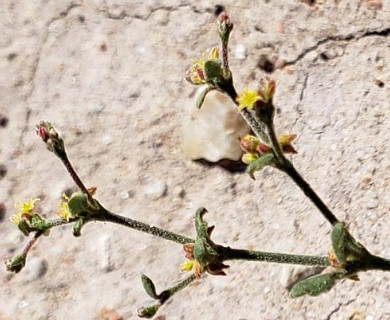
[123, 14]
[339, 38]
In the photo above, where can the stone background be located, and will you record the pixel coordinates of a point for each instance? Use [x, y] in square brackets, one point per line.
[110, 75]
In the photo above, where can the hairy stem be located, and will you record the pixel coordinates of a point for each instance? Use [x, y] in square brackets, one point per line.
[290, 170]
[173, 290]
[239, 254]
[258, 128]
[75, 177]
[143, 227]
[285, 165]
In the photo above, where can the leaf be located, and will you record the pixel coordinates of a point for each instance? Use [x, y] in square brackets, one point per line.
[314, 286]
[148, 312]
[149, 286]
[259, 164]
[212, 69]
[202, 96]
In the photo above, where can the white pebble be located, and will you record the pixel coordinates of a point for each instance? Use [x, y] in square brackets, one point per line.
[212, 132]
[124, 195]
[105, 247]
[156, 189]
[240, 52]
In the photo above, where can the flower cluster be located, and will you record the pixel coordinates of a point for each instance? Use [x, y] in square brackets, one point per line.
[27, 220]
[214, 268]
[254, 148]
[197, 73]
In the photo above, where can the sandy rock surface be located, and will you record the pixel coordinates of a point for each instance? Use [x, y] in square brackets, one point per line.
[110, 76]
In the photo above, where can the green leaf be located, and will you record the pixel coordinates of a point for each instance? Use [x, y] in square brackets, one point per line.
[77, 227]
[78, 204]
[148, 312]
[212, 69]
[259, 163]
[347, 249]
[149, 286]
[202, 95]
[339, 239]
[314, 286]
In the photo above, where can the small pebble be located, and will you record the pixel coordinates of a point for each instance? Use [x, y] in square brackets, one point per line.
[36, 268]
[124, 195]
[156, 189]
[240, 52]
[105, 248]
[107, 139]
[23, 304]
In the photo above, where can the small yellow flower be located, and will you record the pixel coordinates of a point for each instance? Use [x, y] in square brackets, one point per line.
[187, 266]
[25, 210]
[247, 98]
[63, 208]
[249, 157]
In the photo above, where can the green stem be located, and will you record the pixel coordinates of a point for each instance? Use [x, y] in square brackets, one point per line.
[141, 226]
[273, 141]
[378, 263]
[166, 294]
[75, 177]
[238, 254]
[290, 170]
[285, 165]
[31, 242]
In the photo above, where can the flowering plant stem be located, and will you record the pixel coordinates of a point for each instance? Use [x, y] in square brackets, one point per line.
[347, 256]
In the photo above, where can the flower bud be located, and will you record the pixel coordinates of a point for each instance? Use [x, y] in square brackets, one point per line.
[249, 143]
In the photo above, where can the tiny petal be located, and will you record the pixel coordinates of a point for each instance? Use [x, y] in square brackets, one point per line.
[247, 98]
[285, 142]
[27, 206]
[286, 139]
[197, 269]
[267, 89]
[214, 53]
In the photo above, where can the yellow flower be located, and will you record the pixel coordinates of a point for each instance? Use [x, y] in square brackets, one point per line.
[196, 74]
[63, 208]
[249, 157]
[25, 210]
[247, 98]
[187, 266]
